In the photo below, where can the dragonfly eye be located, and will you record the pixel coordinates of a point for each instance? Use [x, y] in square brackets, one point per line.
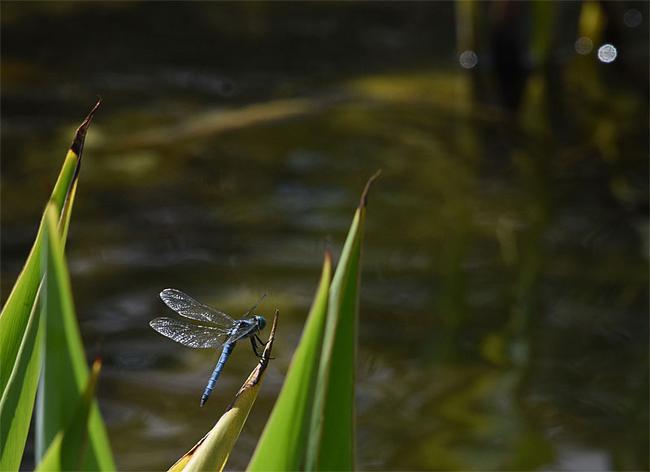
[261, 322]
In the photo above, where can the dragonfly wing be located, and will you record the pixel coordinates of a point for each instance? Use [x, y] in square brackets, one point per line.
[186, 306]
[188, 334]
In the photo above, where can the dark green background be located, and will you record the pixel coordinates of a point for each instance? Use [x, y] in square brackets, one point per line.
[504, 305]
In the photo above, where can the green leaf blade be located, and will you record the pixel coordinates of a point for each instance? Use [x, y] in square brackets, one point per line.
[332, 429]
[16, 311]
[17, 401]
[68, 448]
[21, 323]
[64, 369]
[283, 442]
[332, 425]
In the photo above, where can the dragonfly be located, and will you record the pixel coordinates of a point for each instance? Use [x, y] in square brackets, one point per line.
[216, 329]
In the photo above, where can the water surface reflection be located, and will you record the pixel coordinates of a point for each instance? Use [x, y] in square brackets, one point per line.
[504, 302]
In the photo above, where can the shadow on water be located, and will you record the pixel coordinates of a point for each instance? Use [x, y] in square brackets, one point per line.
[505, 289]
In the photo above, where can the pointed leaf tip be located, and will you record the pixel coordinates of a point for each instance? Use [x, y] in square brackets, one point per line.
[364, 196]
[80, 135]
[328, 256]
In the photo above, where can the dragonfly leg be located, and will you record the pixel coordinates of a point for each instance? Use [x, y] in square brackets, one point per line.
[262, 343]
[254, 344]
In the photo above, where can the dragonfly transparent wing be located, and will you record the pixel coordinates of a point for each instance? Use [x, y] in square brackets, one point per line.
[186, 306]
[188, 334]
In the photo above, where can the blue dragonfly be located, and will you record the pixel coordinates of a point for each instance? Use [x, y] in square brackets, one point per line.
[219, 329]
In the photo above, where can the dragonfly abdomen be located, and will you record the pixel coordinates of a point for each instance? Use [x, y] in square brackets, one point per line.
[225, 353]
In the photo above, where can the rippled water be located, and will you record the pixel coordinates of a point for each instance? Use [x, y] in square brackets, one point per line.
[504, 305]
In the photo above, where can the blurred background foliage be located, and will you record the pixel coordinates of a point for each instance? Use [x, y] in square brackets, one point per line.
[504, 309]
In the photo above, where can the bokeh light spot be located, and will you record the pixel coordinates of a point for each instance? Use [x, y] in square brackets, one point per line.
[632, 18]
[584, 45]
[468, 59]
[607, 53]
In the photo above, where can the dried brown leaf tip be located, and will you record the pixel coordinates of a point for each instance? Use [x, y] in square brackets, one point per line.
[364, 196]
[80, 135]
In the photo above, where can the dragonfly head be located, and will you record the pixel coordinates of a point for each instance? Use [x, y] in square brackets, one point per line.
[261, 322]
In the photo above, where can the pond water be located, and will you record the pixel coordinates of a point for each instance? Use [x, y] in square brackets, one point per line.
[504, 301]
